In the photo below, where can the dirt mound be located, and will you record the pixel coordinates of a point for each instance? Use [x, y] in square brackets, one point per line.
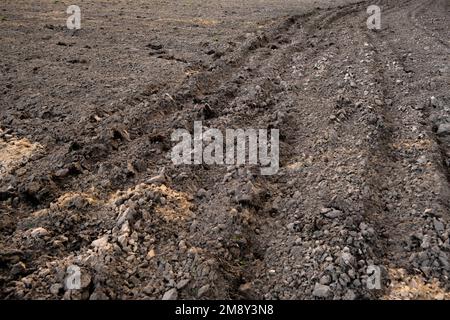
[86, 179]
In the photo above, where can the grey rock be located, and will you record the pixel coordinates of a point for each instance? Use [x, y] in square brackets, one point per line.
[349, 295]
[203, 290]
[18, 268]
[172, 294]
[443, 129]
[248, 194]
[294, 226]
[158, 179]
[438, 225]
[436, 103]
[123, 240]
[100, 242]
[426, 242]
[321, 291]
[126, 215]
[98, 295]
[183, 283]
[56, 288]
[201, 193]
[443, 259]
[325, 280]
[39, 232]
[333, 214]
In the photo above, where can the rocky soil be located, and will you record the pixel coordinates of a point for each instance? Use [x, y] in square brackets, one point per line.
[86, 177]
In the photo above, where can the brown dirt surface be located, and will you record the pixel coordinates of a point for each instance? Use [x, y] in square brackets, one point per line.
[86, 178]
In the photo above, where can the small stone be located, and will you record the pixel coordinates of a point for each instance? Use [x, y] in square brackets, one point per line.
[294, 226]
[347, 258]
[203, 290]
[151, 254]
[438, 225]
[18, 268]
[245, 287]
[172, 294]
[440, 296]
[182, 246]
[349, 295]
[98, 295]
[123, 240]
[201, 193]
[247, 194]
[333, 214]
[431, 212]
[426, 242]
[85, 280]
[422, 159]
[435, 103]
[154, 46]
[100, 242]
[158, 179]
[127, 215]
[325, 280]
[61, 173]
[321, 291]
[443, 129]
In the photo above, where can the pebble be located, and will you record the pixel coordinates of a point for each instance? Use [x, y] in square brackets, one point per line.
[443, 129]
[438, 225]
[321, 291]
[325, 280]
[158, 179]
[100, 242]
[350, 295]
[183, 283]
[123, 240]
[56, 288]
[18, 268]
[203, 290]
[151, 254]
[128, 214]
[201, 193]
[333, 214]
[172, 294]
[39, 232]
[347, 258]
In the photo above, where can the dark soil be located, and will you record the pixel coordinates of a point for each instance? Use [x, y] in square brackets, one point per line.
[86, 119]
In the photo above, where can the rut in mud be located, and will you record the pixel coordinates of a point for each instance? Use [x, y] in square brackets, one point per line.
[364, 120]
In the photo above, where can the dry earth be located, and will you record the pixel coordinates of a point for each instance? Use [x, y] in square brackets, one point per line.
[86, 177]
